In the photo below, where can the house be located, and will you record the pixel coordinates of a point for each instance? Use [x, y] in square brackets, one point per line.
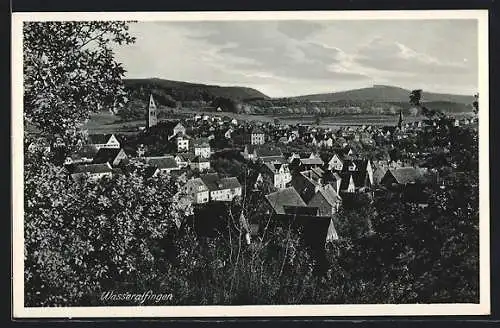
[347, 183]
[183, 159]
[307, 184]
[161, 164]
[401, 177]
[307, 163]
[326, 200]
[278, 172]
[90, 171]
[335, 180]
[174, 128]
[199, 163]
[292, 157]
[360, 165]
[288, 206]
[263, 153]
[182, 142]
[85, 154]
[335, 163]
[113, 156]
[285, 197]
[221, 189]
[257, 137]
[197, 190]
[103, 141]
[201, 147]
[327, 142]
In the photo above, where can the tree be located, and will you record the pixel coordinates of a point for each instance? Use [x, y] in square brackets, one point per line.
[415, 97]
[83, 238]
[70, 72]
[475, 104]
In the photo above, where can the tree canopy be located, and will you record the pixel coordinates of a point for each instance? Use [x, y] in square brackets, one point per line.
[70, 72]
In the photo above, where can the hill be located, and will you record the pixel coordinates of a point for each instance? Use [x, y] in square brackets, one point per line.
[166, 91]
[384, 94]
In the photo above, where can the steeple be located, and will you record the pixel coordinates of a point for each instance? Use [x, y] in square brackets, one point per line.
[151, 115]
[400, 122]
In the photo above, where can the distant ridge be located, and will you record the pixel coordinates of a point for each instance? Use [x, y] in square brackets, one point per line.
[384, 93]
[185, 91]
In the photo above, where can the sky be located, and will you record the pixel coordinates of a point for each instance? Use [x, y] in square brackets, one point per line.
[298, 57]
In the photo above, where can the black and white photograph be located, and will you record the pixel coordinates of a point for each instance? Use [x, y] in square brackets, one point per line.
[250, 164]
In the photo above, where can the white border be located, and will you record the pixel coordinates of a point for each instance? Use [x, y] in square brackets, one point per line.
[19, 311]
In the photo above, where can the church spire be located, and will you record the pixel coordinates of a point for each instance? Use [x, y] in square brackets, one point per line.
[400, 122]
[151, 115]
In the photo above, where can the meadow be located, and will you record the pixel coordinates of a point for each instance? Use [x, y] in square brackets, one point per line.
[106, 122]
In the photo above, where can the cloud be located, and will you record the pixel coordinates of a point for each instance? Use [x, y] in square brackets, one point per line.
[298, 57]
[391, 56]
[259, 47]
[299, 30]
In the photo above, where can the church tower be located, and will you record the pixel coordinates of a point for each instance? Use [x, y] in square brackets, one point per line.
[400, 122]
[151, 115]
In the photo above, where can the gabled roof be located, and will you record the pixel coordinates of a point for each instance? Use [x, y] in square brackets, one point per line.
[106, 155]
[98, 139]
[328, 194]
[197, 182]
[284, 197]
[405, 175]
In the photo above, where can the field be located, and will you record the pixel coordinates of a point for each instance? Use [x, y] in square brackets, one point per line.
[107, 123]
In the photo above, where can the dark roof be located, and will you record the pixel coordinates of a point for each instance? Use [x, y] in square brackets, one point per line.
[266, 151]
[345, 178]
[274, 159]
[164, 162]
[87, 151]
[187, 156]
[98, 139]
[405, 175]
[214, 182]
[106, 155]
[284, 197]
[230, 183]
[199, 159]
[300, 210]
[327, 194]
[91, 168]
